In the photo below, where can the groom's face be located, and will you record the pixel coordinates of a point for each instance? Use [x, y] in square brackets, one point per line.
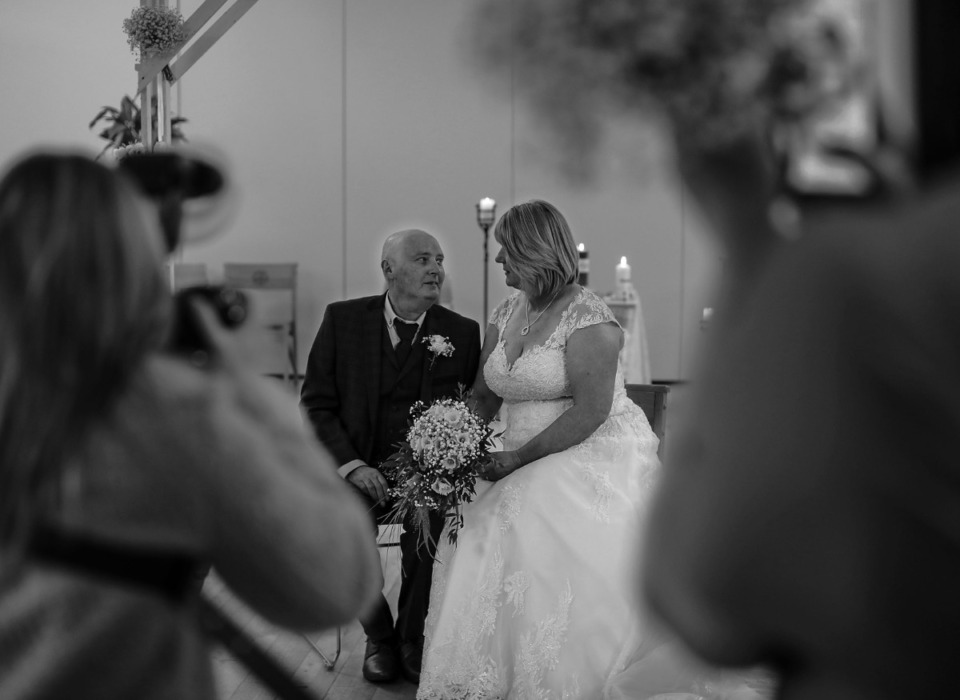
[416, 273]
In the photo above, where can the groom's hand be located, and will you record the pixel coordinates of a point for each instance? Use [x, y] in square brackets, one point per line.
[370, 482]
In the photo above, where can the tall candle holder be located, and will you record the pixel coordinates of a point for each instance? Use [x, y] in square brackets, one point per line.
[624, 302]
[486, 213]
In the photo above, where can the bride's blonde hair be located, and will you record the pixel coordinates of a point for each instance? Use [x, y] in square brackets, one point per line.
[539, 245]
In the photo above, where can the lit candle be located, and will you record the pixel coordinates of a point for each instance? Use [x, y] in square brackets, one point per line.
[485, 209]
[623, 272]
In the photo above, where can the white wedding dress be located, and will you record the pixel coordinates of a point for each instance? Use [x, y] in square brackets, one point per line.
[539, 597]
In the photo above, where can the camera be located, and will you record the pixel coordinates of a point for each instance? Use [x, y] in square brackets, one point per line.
[170, 178]
[187, 337]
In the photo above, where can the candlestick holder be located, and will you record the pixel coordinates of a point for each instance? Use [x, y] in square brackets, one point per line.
[583, 265]
[625, 292]
[486, 213]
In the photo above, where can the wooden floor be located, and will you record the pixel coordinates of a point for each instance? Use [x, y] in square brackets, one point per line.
[307, 669]
[344, 682]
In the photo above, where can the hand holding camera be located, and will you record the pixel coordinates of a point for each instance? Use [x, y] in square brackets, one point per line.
[190, 336]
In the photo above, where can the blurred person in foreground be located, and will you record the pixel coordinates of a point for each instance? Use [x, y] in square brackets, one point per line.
[810, 515]
[123, 466]
[809, 512]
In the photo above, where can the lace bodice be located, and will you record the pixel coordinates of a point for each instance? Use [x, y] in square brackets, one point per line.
[536, 389]
[540, 373]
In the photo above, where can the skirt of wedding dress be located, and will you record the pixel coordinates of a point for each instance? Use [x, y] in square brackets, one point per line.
[539, 598]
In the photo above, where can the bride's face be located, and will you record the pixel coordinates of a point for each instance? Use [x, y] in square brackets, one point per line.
[511, 277]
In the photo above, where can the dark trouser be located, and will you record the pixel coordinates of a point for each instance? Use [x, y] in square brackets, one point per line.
[416, 572]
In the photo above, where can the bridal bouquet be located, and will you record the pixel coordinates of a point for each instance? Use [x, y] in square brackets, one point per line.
[435, 468]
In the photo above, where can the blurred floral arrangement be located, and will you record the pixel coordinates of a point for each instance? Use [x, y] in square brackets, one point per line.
[154, 29]
[713, 69]
[121, 128]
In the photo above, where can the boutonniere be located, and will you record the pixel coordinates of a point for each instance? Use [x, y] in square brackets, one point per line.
[438, 346]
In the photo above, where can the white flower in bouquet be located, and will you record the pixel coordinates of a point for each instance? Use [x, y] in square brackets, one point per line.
[417, 445]
[450, 463]
[442, 487]
[453, 418]
[445, 446]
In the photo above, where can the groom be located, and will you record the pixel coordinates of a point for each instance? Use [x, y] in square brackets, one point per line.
[367, 367]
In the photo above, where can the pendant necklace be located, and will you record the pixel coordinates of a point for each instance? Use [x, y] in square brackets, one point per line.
[526, 313]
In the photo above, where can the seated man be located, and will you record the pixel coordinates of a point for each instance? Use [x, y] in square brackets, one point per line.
[367, 367]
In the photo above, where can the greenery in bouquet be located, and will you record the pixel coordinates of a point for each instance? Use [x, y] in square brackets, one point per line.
[154, 29]
[121, 127]
[435, 468]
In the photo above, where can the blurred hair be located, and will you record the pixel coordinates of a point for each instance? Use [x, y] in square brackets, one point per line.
[539, 245]
[82, 302]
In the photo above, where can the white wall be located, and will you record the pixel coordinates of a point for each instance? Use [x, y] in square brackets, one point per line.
[347, 119]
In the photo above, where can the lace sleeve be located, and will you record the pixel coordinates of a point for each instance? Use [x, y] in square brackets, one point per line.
[586, 310]
[502, 313]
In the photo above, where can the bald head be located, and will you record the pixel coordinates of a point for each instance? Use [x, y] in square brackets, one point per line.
[396, 242]
[412, 264]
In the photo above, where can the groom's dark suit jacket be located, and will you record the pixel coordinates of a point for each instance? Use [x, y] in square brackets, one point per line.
[342, 386]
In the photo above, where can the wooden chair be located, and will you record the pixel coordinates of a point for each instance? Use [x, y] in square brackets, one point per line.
[267, 282]
[652, 398]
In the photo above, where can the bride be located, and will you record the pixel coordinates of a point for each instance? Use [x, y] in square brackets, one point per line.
[537, 599]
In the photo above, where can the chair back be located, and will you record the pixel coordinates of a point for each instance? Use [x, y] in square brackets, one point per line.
[273, 288]
[652, 399]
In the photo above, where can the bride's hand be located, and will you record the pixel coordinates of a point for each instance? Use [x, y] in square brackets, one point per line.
[501, 464]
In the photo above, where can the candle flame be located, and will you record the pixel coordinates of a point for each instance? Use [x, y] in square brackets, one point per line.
[623, 260]
[581, 247]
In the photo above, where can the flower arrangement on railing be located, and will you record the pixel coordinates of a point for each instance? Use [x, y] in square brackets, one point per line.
[153, 30]
[122, 128]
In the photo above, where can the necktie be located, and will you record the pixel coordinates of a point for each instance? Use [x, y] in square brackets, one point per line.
[405, 331]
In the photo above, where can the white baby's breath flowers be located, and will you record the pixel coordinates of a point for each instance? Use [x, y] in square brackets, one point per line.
[435, 469]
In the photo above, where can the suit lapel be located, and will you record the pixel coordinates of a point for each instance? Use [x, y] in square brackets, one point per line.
[370, 346]
[426, 386]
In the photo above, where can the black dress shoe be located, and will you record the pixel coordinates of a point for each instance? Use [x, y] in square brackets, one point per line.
[411, 657]
[380, 662]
